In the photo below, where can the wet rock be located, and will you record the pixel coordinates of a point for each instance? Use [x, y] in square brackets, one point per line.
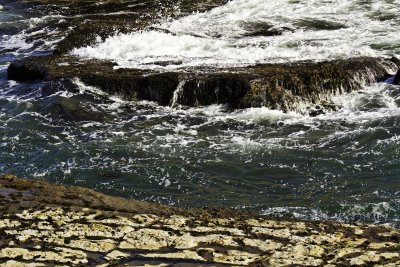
[316, 24]
[24, 71]
[396, 61]
[213, 88]
[264, 29]
[397, 78]
[277, 86]
[46, 224]
[61, 85]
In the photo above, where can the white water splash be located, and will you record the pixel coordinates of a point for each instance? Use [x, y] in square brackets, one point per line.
[177, 93]
[373, 103]
[312, 30]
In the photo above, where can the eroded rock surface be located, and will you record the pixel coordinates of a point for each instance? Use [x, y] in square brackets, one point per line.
[43, 224]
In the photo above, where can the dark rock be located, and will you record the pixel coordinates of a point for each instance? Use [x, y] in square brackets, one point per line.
[25, 71]
[284, 86]
[396, 61]
[61, 85]
[214, 88]
[277, 86]
[70, 109]
[263, 29]
[134, 84]
[165, 63]
[315, 24]
[397, 78]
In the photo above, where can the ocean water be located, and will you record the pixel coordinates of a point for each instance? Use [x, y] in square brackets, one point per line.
[235, 35]
[343, 165]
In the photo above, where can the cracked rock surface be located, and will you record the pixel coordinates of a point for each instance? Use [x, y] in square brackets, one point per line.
[43, 224]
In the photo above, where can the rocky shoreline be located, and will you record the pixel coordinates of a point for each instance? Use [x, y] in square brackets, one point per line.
[44, 224]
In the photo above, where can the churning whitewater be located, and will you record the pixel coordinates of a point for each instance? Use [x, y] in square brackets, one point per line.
[342, 165]
[244, 32]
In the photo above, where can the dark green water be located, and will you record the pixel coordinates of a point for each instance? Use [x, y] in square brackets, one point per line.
[344, 165]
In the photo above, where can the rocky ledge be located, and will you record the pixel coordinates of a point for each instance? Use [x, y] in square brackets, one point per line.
[44, 224]
[277, 86]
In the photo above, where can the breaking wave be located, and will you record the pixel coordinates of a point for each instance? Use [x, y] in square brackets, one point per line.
[244, 32]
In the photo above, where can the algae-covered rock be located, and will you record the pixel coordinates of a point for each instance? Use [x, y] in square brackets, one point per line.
[276, 86]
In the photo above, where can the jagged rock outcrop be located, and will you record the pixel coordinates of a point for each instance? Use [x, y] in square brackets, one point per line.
[44, 224]
[277, 86]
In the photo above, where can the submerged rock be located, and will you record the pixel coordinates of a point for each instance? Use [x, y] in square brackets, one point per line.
[316, 24]
[45, 224]
[263, 29]
[292, 86]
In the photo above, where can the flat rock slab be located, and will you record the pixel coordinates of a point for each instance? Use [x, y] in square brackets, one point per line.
[44, 224]
[276, 86]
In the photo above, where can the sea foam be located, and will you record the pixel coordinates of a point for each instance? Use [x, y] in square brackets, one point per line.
[230, 35]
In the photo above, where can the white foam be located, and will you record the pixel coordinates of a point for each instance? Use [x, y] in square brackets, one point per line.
[373, 103]
[218, 37]
[376, 212]
[15, 41]
[35, 21]
[182, 129]
[86, 88]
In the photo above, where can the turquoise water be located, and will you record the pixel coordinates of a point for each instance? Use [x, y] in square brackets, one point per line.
[343, 165]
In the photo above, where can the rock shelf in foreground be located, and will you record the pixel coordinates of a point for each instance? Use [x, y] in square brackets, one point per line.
[43, 224]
